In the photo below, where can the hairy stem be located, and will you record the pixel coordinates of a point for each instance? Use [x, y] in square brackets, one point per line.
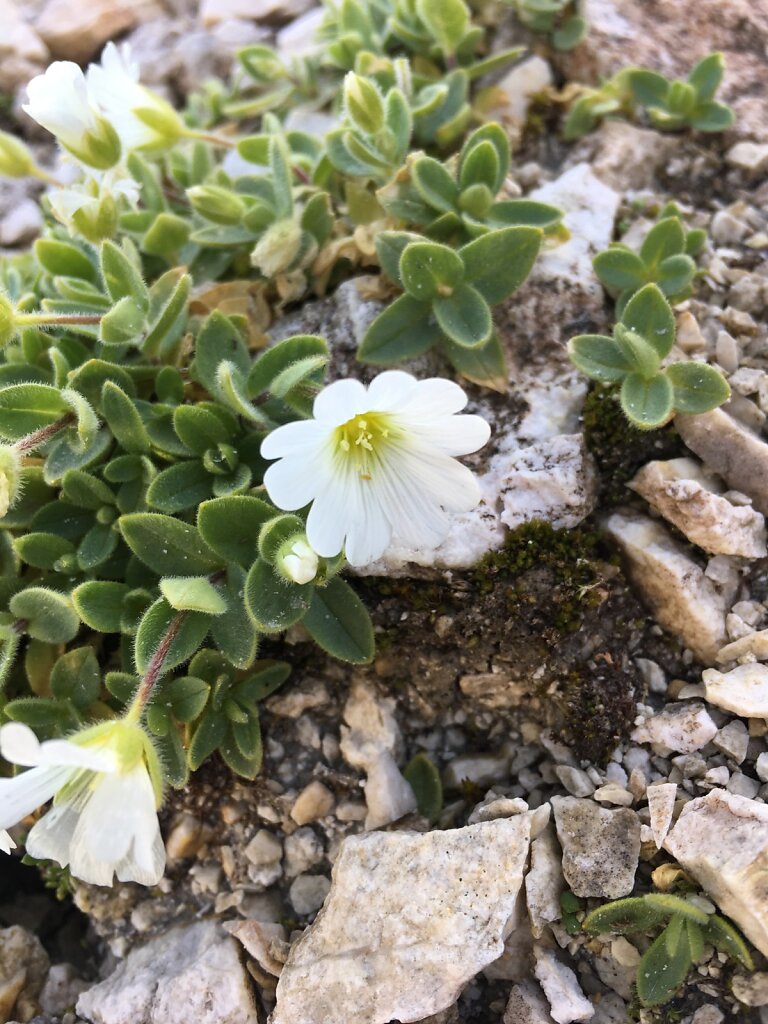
[38, 437]
[56, 319]
[216, 140]
[155, 667]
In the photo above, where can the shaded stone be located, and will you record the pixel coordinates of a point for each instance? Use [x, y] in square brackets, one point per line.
[601, 847]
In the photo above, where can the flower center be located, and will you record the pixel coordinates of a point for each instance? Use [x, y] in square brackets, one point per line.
[363, 439]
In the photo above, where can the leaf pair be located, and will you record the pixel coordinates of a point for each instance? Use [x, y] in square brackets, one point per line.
[672, 105]
[650, 394]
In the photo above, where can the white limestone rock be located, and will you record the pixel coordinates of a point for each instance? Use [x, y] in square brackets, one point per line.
[625, 156]
[371, 740]
[753, 645]
[214, 11]
[679, 728]
[76, 31]
[661, 805]
[722, 840]
[259, 939]
[743, 690]
[513, 93]
[688, 497]
[544, 882]
[410, 919]
[731, 450]
[527, 1005]
[187, 974]
[682, 597]
[601, 847]
[566, 1000]
[23, 54]
[553, 480]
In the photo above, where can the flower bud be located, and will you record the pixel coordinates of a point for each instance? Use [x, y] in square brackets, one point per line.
[16, 161]
[296, 560]
[7, 321]
[220, 205]
[277, 248]
[10, 478]
[363, 103]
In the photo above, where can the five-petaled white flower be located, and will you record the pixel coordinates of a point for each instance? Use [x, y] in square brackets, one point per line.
[377, 464]
[62, 101]
[105, 785]
[142, 119]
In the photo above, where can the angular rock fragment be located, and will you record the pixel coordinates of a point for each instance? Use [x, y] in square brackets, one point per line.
[732, 451]
[688, 497]
[682, 728]
[188, 974]
[680, 595]
[76, 31]
[544, 882]
[753, 645]
[566, 1000]
[743, 690]
[601, 847]
[554, 480]
[661, 804]
[527, 1005]
[409, 920]
[722, 840]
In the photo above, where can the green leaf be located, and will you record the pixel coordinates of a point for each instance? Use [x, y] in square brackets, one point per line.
[218, 341]
[208, 735]
[123, 419]
[76, 677]
[83, 489]
[124, 324]
[639, 353]
[406, 329]
[424, 779]
[100, 604]
[667, 238]
[153, 627]
[483, 365]
[447, 21]
[428, 269]
[233, 632]
[434, 183]
[169, 296]
[390, 246]
[337, 620]
[480, 167]
[187, 697]
[49, 615]
[623, 917]
[25, 408]
[173, 759]
[675, 275]
[570, 33]
[120, 269]
[280, 357]
[649, 314]
[712, 117]
[192, 593]
[273, 603]
[231, 526]
[40, 713]
[97, 546]
[599, 357]
[464, 316]
[723, 936]
[180, 487]
[263, 682]
[168, 546]
[61, 259]
[62, 457]
[232, 389]
[42, 550]
[199, 428]
[661, 972]
[167, 235]
[497, 263]
[706, 75]
[619, 269]
[647, 403]
[698, 387]
[242, 749]
[649, 88]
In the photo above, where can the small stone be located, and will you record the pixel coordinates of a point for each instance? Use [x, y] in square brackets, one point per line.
[727, 351]
[717, 776]
[661, 805]
[23, 968]
[544, 882]
[725, 229]
[751, 645]
[689, 337]
[307, 893]
[628, 157]
[264, 849]
[61, 990]
[624, 953]
[480, 769]
[687, 496]
[613, 793]
[566, 1000]
[708, 1015]
[527, 1005]
[653, 675]
[743, 690]
[554, 480]
[302, 850]
[721, 840]
[22, 52]
[346, 966]
[513, 93]
[76, 31]
[184, 838]
[214, 11]
[575, 780]
[313, 802]
[743, 785]
[299, 699]
[733, 740]
[681, 596]
[732, 451]
[22, 224]
[751, 989]
[682, 728]
[750, 157]
[761, 767]
[192, 973]
[258, 939]
[601, 847]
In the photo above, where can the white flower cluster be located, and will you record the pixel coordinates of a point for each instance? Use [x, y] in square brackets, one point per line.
[105, 783]
[99, 117]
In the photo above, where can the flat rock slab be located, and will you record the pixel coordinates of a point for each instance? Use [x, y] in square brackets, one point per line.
[601, 847]
[410, 919]
[191, 974]
[743, 690]
[722, 840]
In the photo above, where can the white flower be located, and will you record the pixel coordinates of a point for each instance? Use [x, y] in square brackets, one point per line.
[104, 820]
[142, 119]
[298, 562]
[61, 101]
[377, 464]
[91, 206]
[6, 843]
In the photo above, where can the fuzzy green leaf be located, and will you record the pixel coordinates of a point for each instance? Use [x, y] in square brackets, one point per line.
[667, 238]
[483, 365]
[428, 269]
[424, 779]
[647, 403]
[406, 329]
[168, 546]
[706, 75]
[464, 316]
[599, 357]
[698, 387]
[233, 632]
[153, 627]
[274, 604]
[25, 408]
[193, 593]
[123, 419]
[231, 526]
[100, 604]
[649, 314]
[339, 623]
[498, 263]
[76, 677]
[434, 183]
[49, 615]
[661, 972]
[619, 269]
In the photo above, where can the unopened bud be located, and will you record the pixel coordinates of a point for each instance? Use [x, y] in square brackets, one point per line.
[363, 103]
[297, 562]
[10, 478]
[220, 205]
[16, 161]
[277, 248]
[7, 321]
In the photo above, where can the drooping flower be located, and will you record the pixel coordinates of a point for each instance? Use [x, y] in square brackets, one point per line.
[377, 464]
[62, 101]
[142, 119]
[105, 782]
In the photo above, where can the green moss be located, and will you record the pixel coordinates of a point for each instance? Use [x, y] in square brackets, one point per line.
[619, 448]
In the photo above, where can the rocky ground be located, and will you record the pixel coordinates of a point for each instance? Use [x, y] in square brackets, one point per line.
[584, 659]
